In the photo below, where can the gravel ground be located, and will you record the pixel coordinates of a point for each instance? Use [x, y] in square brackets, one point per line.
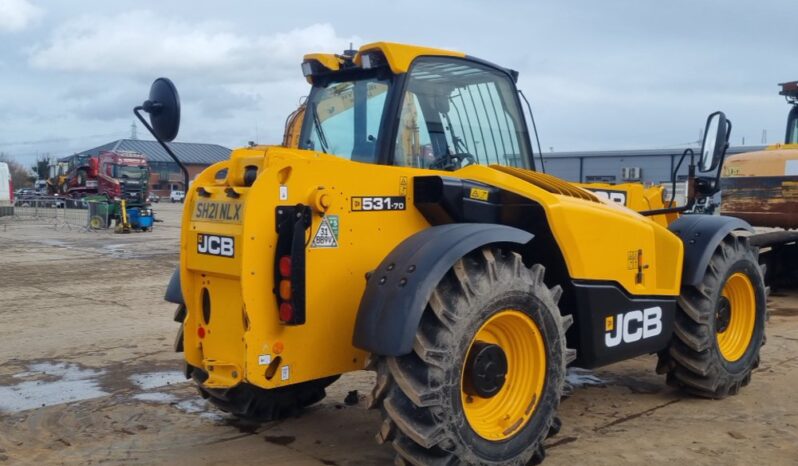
[88, 375]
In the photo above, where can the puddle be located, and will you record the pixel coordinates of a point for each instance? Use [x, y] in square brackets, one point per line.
[118, 251]
[150, 380]
[155, 397]
[201, 407]
[192, 406]
[48, 383]
[578, 378]
[51, 384]
[160, 379]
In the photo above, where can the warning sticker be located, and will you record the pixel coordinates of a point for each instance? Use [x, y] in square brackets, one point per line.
[326, 236]
[333, 221]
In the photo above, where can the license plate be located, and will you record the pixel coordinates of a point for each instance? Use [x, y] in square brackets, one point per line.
[222, 212]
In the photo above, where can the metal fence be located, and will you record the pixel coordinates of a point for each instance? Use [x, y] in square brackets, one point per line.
[62, 212]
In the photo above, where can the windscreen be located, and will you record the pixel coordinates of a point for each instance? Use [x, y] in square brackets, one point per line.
[123, 171]
[343, 118]
[792, 129]
[459, 112]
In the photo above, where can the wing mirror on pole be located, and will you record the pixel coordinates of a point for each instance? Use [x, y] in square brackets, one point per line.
[715, 142]
[163, 106]
[713, 151]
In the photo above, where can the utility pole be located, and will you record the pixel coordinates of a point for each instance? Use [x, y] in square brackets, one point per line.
[764, 136]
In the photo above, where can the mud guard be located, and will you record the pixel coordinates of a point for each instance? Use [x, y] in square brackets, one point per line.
[173, 292]
[397, 292]
[701, 234]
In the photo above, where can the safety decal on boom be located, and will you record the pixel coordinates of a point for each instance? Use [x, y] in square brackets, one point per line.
[327, 234]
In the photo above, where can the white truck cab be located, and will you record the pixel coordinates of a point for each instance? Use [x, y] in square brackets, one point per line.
[177, 196]
[6, 191]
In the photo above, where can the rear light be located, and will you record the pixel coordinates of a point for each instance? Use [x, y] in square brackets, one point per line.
[286, 312]
[285, 289]
[11, 190]
[289, 265]
[285, 266]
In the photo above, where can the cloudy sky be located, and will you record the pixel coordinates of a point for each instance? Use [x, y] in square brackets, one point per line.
[600, 75]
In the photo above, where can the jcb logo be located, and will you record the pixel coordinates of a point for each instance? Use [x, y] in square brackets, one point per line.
[216, 245]
[618, 197]
[632, 326]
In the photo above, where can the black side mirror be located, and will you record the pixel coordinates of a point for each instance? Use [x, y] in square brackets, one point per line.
[715, 141]
[163, 106]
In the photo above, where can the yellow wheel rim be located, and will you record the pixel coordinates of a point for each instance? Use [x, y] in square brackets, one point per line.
[504, 414]
[735, 330]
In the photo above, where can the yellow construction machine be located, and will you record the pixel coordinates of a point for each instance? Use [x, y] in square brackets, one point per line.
[404, 230]
[762, 187]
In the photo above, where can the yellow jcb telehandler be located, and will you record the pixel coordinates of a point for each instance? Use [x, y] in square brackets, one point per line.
[444, 262]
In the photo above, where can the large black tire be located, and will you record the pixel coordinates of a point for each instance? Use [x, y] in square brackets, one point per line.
[419, 394]
[693, 361]
[246, 401]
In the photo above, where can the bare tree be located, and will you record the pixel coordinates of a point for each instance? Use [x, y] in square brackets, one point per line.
[20, 175]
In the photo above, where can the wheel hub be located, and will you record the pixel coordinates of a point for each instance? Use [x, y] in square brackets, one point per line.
[723, 315]
[485, 370]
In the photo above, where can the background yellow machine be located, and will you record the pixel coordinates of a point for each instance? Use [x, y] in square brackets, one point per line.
[404, 229]
[762, 187]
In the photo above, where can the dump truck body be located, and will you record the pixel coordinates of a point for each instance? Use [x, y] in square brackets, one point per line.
[762, 187]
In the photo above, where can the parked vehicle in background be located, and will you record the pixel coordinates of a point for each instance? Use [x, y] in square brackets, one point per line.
[177, 196]
[19, 193]
[118, 175]
[153, 198]
[762, 187]
[6, 191]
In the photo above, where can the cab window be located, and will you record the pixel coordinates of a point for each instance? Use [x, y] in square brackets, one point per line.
[792, 127]
[343, 118]
[456, 113]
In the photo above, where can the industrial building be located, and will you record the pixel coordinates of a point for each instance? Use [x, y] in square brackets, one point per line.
[647, 166]
[165, 175]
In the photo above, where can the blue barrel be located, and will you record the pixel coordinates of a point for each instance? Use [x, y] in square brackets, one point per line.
[140, 219]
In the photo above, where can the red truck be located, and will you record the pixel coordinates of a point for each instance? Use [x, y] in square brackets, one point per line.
[118, 175]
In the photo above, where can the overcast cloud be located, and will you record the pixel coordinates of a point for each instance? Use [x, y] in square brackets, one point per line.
[601, 75]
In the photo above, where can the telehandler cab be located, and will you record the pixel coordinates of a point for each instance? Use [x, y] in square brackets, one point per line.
[409, 234]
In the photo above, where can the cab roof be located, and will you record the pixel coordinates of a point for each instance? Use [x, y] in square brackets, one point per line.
[399, 57]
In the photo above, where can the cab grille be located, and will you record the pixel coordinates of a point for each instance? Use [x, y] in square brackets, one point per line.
[549, 183]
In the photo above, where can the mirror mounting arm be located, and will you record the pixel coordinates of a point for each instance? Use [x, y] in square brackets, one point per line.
[723, 154]
[668, 210]
[148, 106]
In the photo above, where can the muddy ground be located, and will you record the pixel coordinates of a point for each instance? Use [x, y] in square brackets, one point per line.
[88, 376]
